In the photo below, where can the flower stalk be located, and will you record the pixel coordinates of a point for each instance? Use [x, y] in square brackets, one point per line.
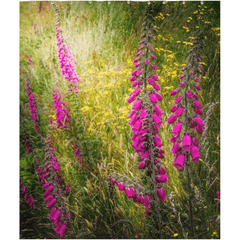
[187, 110]
[65, 57]
[54, 194]
[145, 122]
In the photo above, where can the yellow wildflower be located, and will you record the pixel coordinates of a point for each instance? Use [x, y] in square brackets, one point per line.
[175, 234]
[86, 109]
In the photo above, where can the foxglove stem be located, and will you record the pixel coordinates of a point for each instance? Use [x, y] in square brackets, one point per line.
[53, 193]
[187, 159]
[66, 58]
[61, 112]
[78, 154]
[187, 102]
[28, 148]
[146, 119]
[32, 104]
[27, 197]
[152, 159]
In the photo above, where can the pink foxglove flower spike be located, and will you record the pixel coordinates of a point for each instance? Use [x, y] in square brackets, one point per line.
[145, 122]
[188, 113]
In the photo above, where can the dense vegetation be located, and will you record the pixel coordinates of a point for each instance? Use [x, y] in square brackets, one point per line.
[96, 142]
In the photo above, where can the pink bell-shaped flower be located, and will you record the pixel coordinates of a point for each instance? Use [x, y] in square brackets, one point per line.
[179, 162]
[177, 129]
[161, 194]
[186, 142]
[195, 154]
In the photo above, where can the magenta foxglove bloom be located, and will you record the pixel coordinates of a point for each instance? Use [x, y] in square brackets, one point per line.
[151, 81]
[195, 142]
[52, 202]
[179, 112]
[174, 108]
[30, 60]
[147, 61]
[181, 76]
[153, 98]
[134, 72]
[154, 66]
[156, 86]
[135, 60]
[48, 198]
[162, 178]
[137, 91]
[177, 129]
[195, 96]
[133, 78]
[186, 142]
[197, 104]
[198, 87]
[175, 148]
[62, 230]
[161, 194]
[172, 119]
[198, 121]
[189, 95]
[158, 141]
[158, 110]
[131, 98]
[139, 73]
[199, 129]
[179, 162]
[178, 99]
[196, 79]
[134, 84]
[218, 195]
[195, 154]
[181, 84]
[173, 92]
[162, 170]
[158, 96]
[155, 77]
[146, 201]
[121, 186]
[198, 111]
[142, 165]
[52, 213]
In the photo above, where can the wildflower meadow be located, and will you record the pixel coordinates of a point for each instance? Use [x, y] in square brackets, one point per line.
[119, 120]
